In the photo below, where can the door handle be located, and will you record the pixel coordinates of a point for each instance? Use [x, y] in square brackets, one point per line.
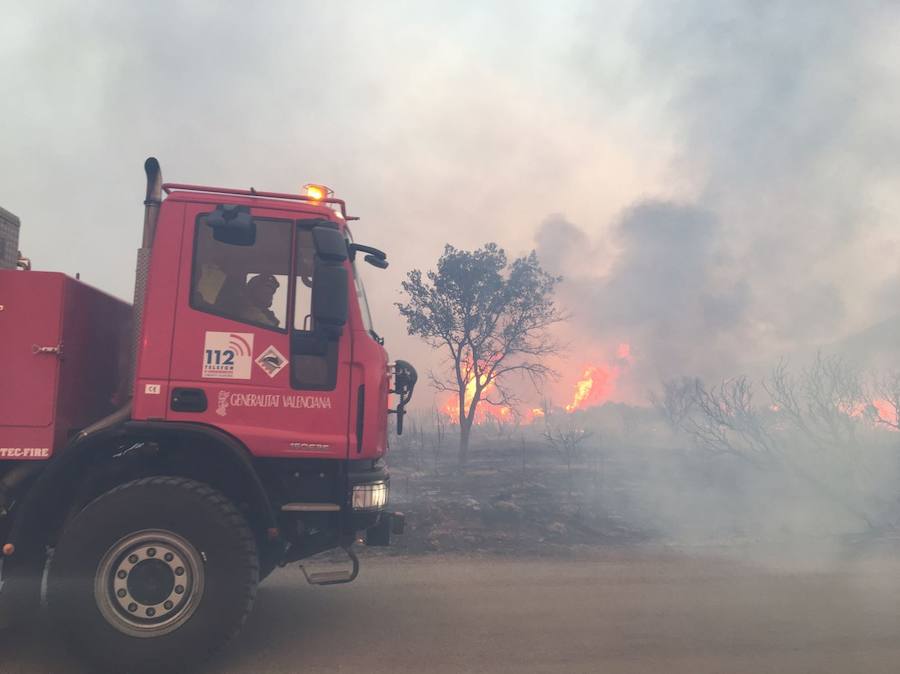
[57, 350]
[188, 400]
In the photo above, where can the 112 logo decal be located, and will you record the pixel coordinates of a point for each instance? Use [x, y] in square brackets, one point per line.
[227, 355]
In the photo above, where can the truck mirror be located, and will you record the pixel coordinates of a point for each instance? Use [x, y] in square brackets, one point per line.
[375, 257]
[330, 244]
[233, 224]
[329, 295]
[379, 262]
[329, 298]
[330, 281]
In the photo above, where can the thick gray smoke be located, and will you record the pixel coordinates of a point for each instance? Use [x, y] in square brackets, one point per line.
[764, 134]
[784, 119]
[668, 293]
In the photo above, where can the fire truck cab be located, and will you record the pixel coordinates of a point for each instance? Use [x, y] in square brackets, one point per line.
[157, 461]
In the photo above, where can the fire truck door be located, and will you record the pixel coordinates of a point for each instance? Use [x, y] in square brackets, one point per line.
[241, 359]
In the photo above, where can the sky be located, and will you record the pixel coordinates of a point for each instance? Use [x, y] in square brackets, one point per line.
[715, 181]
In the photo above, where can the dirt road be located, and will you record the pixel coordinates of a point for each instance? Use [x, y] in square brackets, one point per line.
[624, 611]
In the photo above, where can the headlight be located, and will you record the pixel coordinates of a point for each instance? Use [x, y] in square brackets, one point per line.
[372, 496]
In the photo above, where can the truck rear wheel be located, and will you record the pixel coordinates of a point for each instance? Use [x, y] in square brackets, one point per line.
[154, 575]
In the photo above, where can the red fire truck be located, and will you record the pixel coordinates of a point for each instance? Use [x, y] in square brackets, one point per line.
[158, 461]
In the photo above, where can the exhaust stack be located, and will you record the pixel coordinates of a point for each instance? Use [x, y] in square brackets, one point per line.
[152, 202]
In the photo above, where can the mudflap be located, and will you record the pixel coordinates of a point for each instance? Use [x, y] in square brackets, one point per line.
[7, 601]
[389, 523]
[19, 595]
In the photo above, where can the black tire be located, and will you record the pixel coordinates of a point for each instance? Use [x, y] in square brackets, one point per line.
[266, 570]
[205, 540]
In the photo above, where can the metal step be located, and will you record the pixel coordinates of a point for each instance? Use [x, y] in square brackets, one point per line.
[329, 577]
[334, 577]
[311, 508]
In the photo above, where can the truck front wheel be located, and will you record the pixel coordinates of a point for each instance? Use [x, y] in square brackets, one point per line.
[154, 575]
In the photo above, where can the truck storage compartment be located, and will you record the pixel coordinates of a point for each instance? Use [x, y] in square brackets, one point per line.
[63, 360]
[9, 239]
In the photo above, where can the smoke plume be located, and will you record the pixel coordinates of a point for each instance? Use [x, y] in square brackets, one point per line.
[783, 120]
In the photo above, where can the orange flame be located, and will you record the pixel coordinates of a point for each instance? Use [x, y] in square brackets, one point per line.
[595, 385]
[886, 411]
[532, 415]
[881, 412]
[451, 407]
[598, 381]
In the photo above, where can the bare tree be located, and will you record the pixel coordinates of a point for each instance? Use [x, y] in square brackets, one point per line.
[419, 435]
[438, 436]
[825, 407]
[883, 399]
[491, 318]
[631, 423]
[824, 403]
[567, 440]
[810, 429]
[724, 420]
[506, 424]
[523, 454]
[676, 401]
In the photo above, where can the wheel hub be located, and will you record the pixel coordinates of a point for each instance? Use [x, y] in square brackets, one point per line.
[149, 583]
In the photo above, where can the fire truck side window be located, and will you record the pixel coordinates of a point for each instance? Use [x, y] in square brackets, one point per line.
[313, 356]
[244, 283]
[306, 261]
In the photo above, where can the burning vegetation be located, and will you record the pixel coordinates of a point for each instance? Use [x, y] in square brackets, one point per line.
[808, 449]
[595, 386]
[805, 453]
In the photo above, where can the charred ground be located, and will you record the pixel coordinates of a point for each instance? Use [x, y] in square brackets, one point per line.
[624, 478]
[513, 497]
